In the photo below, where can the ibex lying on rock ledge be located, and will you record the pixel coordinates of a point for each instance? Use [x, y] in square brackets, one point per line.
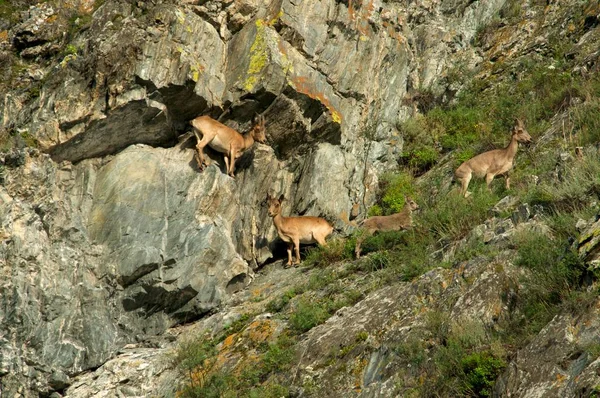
[225, 139]
[395, 222]
[492, 163]
[296, 230]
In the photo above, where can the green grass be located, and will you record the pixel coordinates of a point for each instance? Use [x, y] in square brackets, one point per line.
[336, 250]
[309, 314]
[8, 11]
[456, 358]
[571, 189]
[554, 274]
[258, 377]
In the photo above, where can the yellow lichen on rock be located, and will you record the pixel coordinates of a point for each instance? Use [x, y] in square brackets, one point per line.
[258, 56]
[260, 331]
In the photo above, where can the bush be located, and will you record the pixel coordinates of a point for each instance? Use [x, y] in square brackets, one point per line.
[395, 188]
[279, 303]
[254, 378]
[309, 314]
[481, 370]
[465, 360]
[453, 216]
[336, 250]
[555, 271]
[420, 144]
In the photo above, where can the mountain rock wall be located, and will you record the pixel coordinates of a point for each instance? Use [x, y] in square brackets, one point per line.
[111, 233]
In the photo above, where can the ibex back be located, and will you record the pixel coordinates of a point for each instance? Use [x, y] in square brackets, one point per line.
[492, 163]
[296, 230]
[395, 222]
[226, 140]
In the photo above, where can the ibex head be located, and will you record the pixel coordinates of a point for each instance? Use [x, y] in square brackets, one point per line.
[411, 203]
[258, 129]
[520, 133]
[274, 205]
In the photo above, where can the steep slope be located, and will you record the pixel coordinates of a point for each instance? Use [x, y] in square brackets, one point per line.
[112, 237]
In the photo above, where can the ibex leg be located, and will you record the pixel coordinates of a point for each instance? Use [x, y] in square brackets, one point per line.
[232, 155]
[297, 247]
[464, 184]
[200, 148]
[289, 252]
[488, 180]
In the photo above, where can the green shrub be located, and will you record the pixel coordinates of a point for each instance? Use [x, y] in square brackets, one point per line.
[375, 210]
[420, 157]
[278, 356]
[70, 49]
[420, 144]
[309, 314]
[412, 351]
[336, 250]
[481, 370]
[384, 240]
[555, 271]
[192, 354]
[466, 359]
[586, 122]
[395, 188]
[255, 378]
[277, 304]
[453, 216]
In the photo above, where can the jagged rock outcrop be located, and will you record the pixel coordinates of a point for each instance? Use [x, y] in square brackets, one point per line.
[116, 235]
[560, 362]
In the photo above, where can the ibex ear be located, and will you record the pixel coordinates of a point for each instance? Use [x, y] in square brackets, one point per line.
[281, 197]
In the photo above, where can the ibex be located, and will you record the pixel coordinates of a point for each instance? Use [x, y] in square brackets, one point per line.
[492, 163]
[395, 222]
[225, 139]
[296, 230]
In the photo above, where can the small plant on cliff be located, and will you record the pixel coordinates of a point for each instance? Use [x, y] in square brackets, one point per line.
[554, 274]
[256, 376]
[336, 250]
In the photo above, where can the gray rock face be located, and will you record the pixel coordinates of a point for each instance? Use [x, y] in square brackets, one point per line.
[559, 362]
[40, 34]
[96, 255]
[99, 252]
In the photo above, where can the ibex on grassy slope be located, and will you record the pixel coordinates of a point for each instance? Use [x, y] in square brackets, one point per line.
[492, 163]
[395, 222]
[225, 139]
[296, 230]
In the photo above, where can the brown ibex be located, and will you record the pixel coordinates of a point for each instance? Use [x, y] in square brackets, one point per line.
[492, 163]
[296, 230]
[225, 139]
[395, 222]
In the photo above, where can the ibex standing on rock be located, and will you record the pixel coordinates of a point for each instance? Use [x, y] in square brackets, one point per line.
[492, 163]
[225, 139]
[395, 222]
[296, 230]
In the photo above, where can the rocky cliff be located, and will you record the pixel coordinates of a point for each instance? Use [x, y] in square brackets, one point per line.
[116, 247]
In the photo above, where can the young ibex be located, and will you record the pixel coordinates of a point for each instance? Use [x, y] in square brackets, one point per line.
[492, 163]
[225, 139]
[395, 222]
[296, 230]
